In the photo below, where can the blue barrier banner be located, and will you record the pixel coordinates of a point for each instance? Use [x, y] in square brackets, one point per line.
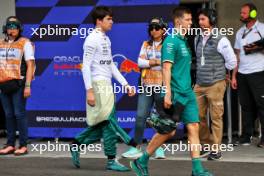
[58, 28]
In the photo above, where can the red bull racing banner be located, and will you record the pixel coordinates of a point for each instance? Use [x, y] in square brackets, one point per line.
[58, 29]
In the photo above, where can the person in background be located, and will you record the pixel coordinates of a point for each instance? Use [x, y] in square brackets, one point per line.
[17, 71]
[151, 78]
[248, 77]
[214, 54]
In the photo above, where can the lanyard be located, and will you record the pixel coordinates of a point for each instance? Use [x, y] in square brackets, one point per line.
[203, 45]
[246, 33]
[153, 50]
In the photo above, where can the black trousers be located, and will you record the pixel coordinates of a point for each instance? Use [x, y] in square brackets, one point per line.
[2, 118]
[251, 96]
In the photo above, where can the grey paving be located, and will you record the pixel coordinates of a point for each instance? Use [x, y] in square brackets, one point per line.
[242, 161]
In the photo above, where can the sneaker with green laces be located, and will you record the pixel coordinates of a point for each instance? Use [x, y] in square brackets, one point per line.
[133, 153]
[114, 165]
[138, 168]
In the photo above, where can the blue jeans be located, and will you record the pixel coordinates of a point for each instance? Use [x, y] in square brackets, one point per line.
[14, 106]
[144, 106]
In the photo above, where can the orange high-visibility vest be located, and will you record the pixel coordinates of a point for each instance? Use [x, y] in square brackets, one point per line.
[11, 55]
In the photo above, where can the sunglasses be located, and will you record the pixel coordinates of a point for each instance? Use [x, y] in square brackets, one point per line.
[12, 25]
[156, 27]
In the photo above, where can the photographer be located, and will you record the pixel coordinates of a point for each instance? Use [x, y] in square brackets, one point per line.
[250, 77]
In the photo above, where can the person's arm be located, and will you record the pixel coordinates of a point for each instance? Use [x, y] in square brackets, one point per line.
[234, 73]
[166, 75]
[225, 49]
[237, 53]
[117, 75]
[143, 62]
[30, 62]
[120, 78]
[89, 50]
[167, 56]
[86, 69]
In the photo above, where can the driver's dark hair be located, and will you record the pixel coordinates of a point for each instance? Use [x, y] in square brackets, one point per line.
[99, 12]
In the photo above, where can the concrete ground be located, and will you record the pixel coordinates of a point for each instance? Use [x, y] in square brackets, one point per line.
[243, 161]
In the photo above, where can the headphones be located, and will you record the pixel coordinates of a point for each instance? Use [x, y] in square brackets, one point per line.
[211, 14]
[253, 10]
[17, 21]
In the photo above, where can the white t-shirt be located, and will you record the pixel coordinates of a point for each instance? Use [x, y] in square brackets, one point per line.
[29, 51]
[97, 60]
[250, 63]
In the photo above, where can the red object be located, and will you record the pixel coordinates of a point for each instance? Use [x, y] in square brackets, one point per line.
[128, 66]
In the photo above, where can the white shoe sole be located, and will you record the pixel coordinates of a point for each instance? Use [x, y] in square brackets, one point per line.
[160, 157]
[246, 144]
[213, 159]
[204, 155]
[135, 156]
